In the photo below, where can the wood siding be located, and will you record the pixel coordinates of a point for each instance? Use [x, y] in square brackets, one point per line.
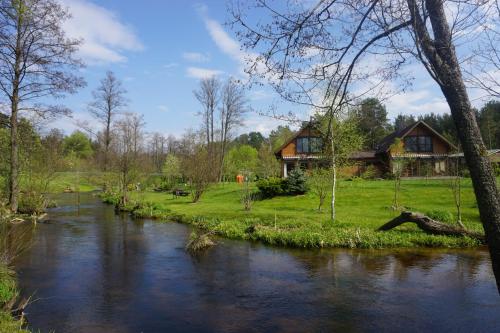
[438, 145]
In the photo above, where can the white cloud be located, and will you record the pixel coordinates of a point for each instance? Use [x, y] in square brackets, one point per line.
[202, 73]
[105, 37]
[163, 108]
[196, 56]
[416, 103]
[225, 43]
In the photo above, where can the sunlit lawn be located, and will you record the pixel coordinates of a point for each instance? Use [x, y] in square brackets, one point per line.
[362, 207]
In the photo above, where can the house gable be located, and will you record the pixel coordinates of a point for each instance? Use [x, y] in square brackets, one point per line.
[440, 145]
[289, 148]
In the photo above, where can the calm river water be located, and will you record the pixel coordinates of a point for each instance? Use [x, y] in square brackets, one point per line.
[93, 271]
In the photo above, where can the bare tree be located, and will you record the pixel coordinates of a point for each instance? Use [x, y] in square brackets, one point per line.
[233, 108]
[208, 95]
[158, 150]
[128, 147]
[108, 100]
[332, 46]
[36, 60]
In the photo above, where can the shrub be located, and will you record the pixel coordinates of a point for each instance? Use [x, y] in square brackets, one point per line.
[199, 242]
[32, 203]
[271, 187]
[497, 169]
[296, 183]
[369, 173]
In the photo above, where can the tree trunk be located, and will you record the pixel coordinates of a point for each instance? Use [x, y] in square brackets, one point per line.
[14, 145]
[430, 226]
[334, 176]
[443, 59]
[14, 160]
[107, 140]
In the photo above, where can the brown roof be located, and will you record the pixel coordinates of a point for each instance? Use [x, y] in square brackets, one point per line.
[386, 142]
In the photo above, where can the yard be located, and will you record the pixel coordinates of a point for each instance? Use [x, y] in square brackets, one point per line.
[362, 207]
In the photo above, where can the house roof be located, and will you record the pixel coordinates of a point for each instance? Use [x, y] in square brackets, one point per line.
[386, 142]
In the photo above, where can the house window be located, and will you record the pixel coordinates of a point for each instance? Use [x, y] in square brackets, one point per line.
[302, 145]
[309, 145]
[422, 144]
[316, 145]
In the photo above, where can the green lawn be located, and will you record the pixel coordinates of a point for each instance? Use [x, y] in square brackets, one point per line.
[362, 206]
[84, 181]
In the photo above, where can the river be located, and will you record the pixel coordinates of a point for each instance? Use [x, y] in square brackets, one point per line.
[90, 270]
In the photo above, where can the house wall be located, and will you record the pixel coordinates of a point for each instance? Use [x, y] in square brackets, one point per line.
[438, 146]
[291, 148]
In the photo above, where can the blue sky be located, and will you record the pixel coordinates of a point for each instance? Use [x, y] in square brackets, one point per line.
[161, 49]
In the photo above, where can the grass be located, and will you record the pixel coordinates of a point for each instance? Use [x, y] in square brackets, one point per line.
[83, 181]
[362, 207]
[8, 290]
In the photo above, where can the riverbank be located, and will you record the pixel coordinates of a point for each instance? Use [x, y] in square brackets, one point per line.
[8, 291]
[362, 207]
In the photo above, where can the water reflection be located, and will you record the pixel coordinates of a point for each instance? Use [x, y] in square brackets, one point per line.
[94, 271]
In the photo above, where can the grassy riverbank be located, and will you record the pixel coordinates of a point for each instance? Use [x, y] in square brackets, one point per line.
[362, 207]
[8, 290]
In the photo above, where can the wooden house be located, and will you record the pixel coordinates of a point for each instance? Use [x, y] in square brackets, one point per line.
[426, 152]
[304, 150]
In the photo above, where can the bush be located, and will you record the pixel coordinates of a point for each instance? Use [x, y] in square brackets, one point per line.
[369, 173]
[296, 183]
[32, 203]
[497, 169]
[271, 187]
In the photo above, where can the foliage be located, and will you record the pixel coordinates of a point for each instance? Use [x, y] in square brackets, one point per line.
[241, 160]
[32, 203]
[403, 120]
[296, 183]
[198, 169]
[78, 144]
[370, 172]
[253, 139]
[271, 187]
[171, 171]
[267, 165]
[199, 242]
[489, 124]
[279, 136]
[372, 122]
[319, 182]
[247, 195]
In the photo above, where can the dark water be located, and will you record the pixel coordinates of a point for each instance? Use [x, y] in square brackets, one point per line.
[98, 272]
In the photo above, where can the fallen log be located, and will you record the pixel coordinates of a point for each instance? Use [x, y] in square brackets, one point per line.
[430, 226]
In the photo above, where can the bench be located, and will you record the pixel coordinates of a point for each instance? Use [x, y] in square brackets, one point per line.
[180, 193]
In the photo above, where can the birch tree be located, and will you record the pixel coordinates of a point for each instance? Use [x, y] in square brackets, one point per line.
[37, 60]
